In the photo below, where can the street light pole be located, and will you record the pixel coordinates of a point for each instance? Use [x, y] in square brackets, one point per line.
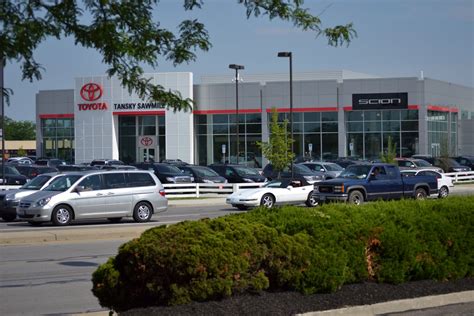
[290, 56]
[237, 68]
[2, 106]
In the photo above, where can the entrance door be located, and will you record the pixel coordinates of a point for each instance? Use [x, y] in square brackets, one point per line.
[147, 154]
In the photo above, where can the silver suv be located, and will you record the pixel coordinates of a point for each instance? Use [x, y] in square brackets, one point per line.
[96, 194]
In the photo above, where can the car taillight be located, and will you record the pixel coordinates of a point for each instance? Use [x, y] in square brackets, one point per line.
[162, 192]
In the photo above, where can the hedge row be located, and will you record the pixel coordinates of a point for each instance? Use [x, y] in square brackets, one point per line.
[291, 248]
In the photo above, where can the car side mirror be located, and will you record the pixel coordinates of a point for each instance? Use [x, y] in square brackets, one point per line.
[412, 165]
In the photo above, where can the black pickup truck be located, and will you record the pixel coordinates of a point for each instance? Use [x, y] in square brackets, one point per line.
[365, 182]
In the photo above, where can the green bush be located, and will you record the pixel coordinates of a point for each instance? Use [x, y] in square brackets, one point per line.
[291, 248]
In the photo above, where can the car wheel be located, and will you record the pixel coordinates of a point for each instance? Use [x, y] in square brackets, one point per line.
[62, 215]
[114, 219]
[356, 198]
[267, 200]
[443, 192]
[9, 217]
[420, 194]
[142, 212]
[312, 201]
[242, 207]
[35, 223]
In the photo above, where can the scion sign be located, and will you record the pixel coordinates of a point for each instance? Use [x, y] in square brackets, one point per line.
[380, 101]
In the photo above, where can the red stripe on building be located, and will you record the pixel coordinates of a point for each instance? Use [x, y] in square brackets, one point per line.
[48, 116]
[442, 108]
[139, 113]
[243, 111]
[299, 110]
[410, 107]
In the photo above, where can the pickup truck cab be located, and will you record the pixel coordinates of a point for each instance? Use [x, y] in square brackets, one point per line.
[366, 182]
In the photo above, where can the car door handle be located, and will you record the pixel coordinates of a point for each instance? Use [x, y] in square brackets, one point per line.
[110, 193]
[99, 194]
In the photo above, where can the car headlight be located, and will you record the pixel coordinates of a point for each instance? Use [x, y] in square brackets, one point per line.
[42, 202]
[207, 181]
[171, 179]
[339, 188]
[247, 180]
[316, 188]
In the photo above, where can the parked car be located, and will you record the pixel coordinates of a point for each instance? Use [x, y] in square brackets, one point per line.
[466, 161]
[444, 182]
[203, 174]
[330, 169]
[165, 172]
[238, 173]
[9, 199]
[12, 176]
[116, 167]
[416, 164]
[447, 164]
[20, 161]
[300, 172]
[31, 171]
[365, 182]
[97, 194]
[108, 162]
[277, 192]
[51, 162]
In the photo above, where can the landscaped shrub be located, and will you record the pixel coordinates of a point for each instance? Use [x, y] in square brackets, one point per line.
[291, 248]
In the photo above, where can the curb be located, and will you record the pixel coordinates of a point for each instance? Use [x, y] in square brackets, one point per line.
[400, 306]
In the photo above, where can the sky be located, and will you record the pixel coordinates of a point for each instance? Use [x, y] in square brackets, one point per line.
[396, 38]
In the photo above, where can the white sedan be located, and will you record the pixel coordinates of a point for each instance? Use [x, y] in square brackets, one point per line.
[444, 182]
[273, 193]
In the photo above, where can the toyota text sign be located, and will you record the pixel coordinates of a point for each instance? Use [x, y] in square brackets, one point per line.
[380, 101]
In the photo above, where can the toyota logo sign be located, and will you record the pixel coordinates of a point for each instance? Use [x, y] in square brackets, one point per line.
[91, 92]
[146, 141]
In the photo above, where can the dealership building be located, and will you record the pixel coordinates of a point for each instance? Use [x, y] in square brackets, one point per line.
[335, 114]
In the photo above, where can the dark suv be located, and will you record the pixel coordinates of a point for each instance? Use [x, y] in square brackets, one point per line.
[31, 171]
[203, 174]
[50, 162]
[300, 172]
[466, 161]
[238, 173]
[12, 176]
[165, 172]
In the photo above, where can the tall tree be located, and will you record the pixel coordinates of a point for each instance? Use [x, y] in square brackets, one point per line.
[19, 130]
[127, 36]
[278, 149]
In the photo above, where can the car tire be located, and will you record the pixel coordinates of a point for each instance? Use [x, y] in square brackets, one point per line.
[114, 219]
[62, 215]
[35, 223]
[242, 207]
[267, 201]
[142, 212]
[355, 197]
[443, 192]
[9, 217]
[311, 201]
[420, 194]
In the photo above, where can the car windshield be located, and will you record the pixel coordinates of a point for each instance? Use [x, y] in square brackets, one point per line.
[36, 183]
[242, 171]
[355, 172]
[422, 163]
[11, 170]
[62, 183]
[168, 169]
[205, 172]
[333, 167]
[301, 169]
[277, 184]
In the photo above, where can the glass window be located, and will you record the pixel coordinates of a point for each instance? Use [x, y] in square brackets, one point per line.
[312, 127]
[91, 183]
[329, 127]
[114, 180]
[329, 146]
[372, 116]
[254, 128]
[200, 119]
[329, 116]
[393, 115]
[312, 117]
[391, 126]
[409, 125]
[220, 118]
[355, 116]
[409, 115]
[253, 118]
[220, 128]
[140, 180]
[297, 117]
[372, 126]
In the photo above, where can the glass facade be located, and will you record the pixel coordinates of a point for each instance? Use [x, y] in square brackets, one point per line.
[216, 139]
[131, 127]
[368, 132]
[317, 130]
[442, 133]
[58, 138]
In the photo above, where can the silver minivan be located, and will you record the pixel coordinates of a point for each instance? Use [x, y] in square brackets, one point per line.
[95, 194]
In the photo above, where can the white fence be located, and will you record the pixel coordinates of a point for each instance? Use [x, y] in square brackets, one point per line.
[461, 177]
[197, 189]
